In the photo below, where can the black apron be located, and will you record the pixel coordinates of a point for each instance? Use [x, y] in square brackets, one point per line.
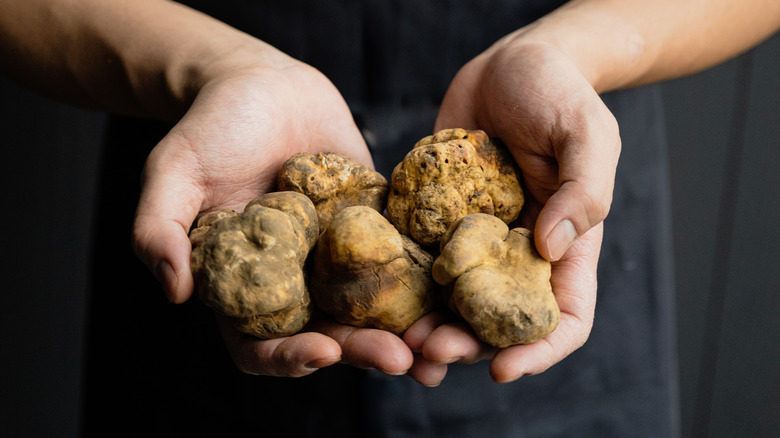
[155, 368]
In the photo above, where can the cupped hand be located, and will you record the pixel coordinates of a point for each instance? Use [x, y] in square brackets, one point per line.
[225, 151]
[566, 143]
[439, 339]
[322, 343]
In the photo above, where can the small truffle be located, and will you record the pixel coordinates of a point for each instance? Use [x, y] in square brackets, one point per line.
[333, 182]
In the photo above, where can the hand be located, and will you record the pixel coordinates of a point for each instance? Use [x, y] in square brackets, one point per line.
[438, 339]
[225, 151]
[567, 144]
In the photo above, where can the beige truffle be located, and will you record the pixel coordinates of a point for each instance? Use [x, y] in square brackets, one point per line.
[449, 175]
[366, 274]
[249, 266]
[333, 182]
[497, 281]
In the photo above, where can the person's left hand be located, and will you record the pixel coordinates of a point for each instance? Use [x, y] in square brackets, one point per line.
[439, 339]
[565, 141]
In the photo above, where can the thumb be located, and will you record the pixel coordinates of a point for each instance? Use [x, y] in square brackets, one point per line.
[584, 195]
[166, 209]
[569, 213]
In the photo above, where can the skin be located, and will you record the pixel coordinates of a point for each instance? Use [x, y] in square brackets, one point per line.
[243, 106]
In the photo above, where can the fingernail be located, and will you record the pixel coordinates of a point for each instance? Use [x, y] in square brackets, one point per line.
[560, 239]
[322, 362]
[167, 277]
[383, 371]
[452, 360]
[510, 379]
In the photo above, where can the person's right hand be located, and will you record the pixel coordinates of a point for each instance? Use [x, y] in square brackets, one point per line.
[225, 151]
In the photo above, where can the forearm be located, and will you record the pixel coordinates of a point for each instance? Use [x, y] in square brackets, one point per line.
[143, 57]
[625, 43]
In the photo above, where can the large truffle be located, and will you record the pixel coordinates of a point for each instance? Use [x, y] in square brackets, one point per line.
[366, 274]
[449, 175]
[249, 266]
[497, 281]
[333, 182]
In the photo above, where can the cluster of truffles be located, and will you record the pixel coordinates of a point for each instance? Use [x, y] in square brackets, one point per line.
[324, 241]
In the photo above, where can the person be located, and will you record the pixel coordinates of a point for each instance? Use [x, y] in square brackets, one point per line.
[544, 76]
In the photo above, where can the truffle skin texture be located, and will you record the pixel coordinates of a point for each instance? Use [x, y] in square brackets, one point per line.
[333, 182]
[366, 274]
[249, 266]
[497, 281]
[299, 207]
[449, 175]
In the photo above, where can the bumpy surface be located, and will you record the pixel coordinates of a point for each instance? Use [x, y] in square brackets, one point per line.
[333, 182]
[249, 266]
[449, 175]
[366, 274]
[497, 281]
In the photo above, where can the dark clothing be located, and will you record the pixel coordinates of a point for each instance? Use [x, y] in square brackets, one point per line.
[157, 368]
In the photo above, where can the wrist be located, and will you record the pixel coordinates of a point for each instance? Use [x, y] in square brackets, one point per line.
[233, 58]
[158, 55]
[624, 43]
[609, 55]
[216, 54]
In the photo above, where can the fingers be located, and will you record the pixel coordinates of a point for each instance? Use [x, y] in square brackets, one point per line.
[367, 348]
[424, 371]
[416, 335]
[427, 373]
[325, 343]
[455, 342]
[438, 342]
[293, 356]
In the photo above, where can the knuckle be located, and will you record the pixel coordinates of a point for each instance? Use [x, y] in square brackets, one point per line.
[597, 206]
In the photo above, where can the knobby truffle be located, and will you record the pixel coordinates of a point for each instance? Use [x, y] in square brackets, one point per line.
[333, 182]
[249, 266]
[497, 281]
[449, 175]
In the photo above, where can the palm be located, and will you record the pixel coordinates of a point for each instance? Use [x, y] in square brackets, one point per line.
[238, 132]
[225, 152]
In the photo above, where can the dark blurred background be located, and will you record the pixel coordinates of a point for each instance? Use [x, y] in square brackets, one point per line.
[724, 136]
